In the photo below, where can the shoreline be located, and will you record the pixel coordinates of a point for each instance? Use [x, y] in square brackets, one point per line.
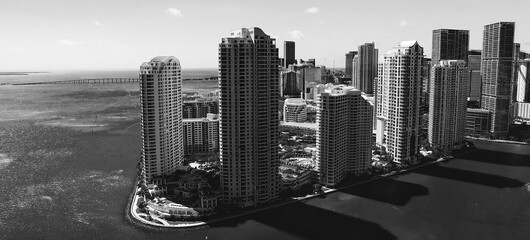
[141, 222]
[497, 140]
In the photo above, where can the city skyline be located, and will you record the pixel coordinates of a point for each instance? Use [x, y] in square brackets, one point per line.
[47, 36]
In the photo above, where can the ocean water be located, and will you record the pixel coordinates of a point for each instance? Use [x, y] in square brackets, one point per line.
[67, 167]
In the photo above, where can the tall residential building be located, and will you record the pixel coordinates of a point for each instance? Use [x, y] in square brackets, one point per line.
[516, 53]
[201, 135]
[523, 82]
[365, 68]
[449, 44]
[448, 103]
[398, 101]
[161, 107]
[294, 110]
[497, 74]
[344, 134]
[288, 53]
[249, 83]
[426, 85]
[348, 69]
[475, 80]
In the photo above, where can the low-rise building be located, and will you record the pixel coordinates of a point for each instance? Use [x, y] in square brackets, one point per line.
[522, 112]
[477, 120]
[294, 110]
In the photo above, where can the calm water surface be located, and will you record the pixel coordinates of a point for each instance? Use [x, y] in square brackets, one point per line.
[67, 158]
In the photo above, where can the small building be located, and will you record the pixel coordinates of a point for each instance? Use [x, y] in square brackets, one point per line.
[294, 110]
[522, 112]
[477, 120]
[201, 135]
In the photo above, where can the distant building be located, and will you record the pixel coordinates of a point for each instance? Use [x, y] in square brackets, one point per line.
[294, 110]
[249, 84]
[450, 44]
[293, 85]
[365, 68]
[477, 121]
[201, 135]
[523, 82]
[497, 74]
[448, 103]
[200, 107]
[348, 70]
[161, 108]
[344, 134]
[288, 53]
[475, 80]
[398, 101]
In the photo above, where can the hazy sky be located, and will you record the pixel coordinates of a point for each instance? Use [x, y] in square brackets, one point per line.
[121, 34]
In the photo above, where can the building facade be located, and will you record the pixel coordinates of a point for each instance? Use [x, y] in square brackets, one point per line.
[201, 135]
[289, 53]
[200, 107]
[523, 83]
[497, 74]
[475, 79]
[348, 69]
[295, 110]
[344, 134]
[449, 44]
[161, 107]
[477, 121]
[398, 101]
[448, 103]
[365, 68]
[293, 85]
[249, 84]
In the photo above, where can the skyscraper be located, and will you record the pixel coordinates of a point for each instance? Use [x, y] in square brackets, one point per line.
[448, 103]
[293, 85]
[523, 82]
[288, 53]
[249, 84]
[449, 44]
[497, 74]
[161, 107]
[475, 80]
[344, 134]
[398, 101]
[366, 68]
[348, 69]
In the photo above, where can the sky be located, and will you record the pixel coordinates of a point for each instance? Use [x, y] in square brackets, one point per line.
[39, 35]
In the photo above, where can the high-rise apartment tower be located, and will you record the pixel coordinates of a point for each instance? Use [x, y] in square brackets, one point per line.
[249, 84]
[161, 107]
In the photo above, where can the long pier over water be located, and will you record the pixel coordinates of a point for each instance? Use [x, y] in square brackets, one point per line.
[85, 81]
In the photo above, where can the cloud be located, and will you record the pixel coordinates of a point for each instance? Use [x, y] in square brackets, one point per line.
[403, 23]
[312, 10]
[175, 12]
[70, 42]
[97, 23]
[297, 34]
[16, 49]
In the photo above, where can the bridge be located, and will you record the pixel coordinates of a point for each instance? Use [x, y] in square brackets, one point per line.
[85, 81]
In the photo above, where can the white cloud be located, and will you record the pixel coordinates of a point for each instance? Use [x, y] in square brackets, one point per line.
[17, 49]
[70, 42]
[312, 10]
[175, 12]
[97, 23]
[403, 23]
[297, 34]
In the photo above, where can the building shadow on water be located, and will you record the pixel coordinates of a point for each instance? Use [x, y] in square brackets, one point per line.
[469, 176]
[495, 157]
[310, 222]
[388, 190]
